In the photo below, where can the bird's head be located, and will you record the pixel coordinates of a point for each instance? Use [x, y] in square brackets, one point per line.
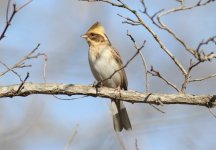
[96, 35]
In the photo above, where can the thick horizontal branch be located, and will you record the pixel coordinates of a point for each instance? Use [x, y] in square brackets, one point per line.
[129, 96]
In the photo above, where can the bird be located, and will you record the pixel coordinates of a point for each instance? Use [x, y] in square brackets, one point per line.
[104, 60]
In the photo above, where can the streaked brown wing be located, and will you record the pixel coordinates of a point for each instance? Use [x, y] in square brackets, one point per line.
[124, 82]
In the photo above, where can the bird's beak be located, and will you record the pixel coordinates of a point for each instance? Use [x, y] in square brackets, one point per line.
[84, 36]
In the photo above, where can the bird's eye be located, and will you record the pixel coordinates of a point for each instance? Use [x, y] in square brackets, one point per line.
[92, 34]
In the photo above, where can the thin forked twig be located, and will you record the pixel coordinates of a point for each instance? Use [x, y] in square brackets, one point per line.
[143, 60]
[193, 51]
[9, 19]
[157, 73]
[188, 75]
[202, 43]
[151, 17]
[129, 21]
[20, 63]
[19, 76]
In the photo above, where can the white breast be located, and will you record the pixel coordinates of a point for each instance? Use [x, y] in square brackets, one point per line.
[103, 65]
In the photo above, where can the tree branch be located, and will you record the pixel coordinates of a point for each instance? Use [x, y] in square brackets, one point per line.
[129, 96]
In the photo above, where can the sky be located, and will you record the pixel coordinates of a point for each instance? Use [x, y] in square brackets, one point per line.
[44, 122]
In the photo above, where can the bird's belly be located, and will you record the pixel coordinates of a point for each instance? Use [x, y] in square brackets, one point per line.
[103, 67]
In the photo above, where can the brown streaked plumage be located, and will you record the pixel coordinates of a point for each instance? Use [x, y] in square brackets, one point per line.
[104, 60]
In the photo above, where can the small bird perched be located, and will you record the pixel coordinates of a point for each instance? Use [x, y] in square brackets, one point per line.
[104, 60]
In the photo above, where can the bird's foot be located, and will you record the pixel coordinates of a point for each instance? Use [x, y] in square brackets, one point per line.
[118, 91]
[97, 85]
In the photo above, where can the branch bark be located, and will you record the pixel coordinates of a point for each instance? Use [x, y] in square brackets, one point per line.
[129, 96]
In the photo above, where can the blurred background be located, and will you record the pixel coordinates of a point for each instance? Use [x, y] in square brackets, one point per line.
[42, 122]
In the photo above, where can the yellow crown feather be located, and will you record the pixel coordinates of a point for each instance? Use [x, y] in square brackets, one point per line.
[97, 28]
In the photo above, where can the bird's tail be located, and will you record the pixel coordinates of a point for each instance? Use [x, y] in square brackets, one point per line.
[120, 116]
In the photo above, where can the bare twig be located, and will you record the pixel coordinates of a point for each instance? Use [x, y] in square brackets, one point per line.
[143, 60]
[71, 138]
[202, 43]
[8, 22]
[21, 85]
[7, 11]
[157, 73]
[204, 78]
[146, 71]
[45, 66]
[136, 144]
[213, 114]
[24, 5]
[129, 21]
[151, 17]
[158, 109]
[18, 75]
[188, 76]
[45, 63]
[106, 1]
[9, 19]
[20, 63]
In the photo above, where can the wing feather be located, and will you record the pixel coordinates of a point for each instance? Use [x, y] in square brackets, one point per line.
[124, 82]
